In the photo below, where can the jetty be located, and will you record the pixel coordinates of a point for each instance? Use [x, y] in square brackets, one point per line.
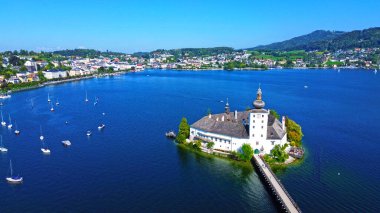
[271, 181]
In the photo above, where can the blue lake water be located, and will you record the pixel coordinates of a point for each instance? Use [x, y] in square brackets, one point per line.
[131, 166]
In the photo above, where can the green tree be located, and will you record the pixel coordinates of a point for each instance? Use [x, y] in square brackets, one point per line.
[41, 76]
[197, 145]
[246, 152]
[275, 114]
[279, 154]
[294, 132]
[183, 131]
[210, 145]
[23, 68]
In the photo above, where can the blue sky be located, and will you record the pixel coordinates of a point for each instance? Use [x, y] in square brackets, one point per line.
[145, 25]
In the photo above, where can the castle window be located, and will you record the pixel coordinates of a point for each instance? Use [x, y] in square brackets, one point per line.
[257, 143]
[262, 121]
[253, 115]
[262, 127]
[253, 127]
[253, 135]
[272, 143]
[253, 121]
[261, 135]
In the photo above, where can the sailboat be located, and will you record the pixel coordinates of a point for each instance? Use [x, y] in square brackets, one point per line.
[375, 71]
[57, 103]
[44, 149]
[3, 123]
[41, 136]
[2, 148]
[49, 98]
[86, 100]
[11, 178]
[52, 108]
[89, 133]
[101, 126]
[17, 132]
[10, 125]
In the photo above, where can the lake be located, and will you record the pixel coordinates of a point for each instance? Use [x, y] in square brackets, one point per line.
[131, 166]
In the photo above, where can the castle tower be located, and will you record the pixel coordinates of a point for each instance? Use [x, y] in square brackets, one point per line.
[258, 122]
[227, 107]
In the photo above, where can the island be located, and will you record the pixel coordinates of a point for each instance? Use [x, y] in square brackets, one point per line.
[240, 135]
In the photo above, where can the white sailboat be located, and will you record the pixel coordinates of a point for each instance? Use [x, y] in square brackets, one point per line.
[375, 71]
[17, 132]
[11, 178]
[10, 125]
[57, 103]
[2, 148]
[89, 133]
[101, 126]
[86, 100]
[3, 123]
[52, 108]
[44, 149]
[49, 98]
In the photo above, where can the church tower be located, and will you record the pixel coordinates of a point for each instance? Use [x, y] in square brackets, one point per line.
[258, 122]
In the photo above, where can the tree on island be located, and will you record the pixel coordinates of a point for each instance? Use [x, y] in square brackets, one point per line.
[275, 114]
[210, 145]
[294, 132]
[183, 131]
[246, 152]
[277, 154]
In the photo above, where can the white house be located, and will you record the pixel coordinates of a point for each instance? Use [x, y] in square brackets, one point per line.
[52, 74]
[229, 131]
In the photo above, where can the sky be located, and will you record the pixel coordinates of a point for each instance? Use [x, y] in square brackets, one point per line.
[146, 25]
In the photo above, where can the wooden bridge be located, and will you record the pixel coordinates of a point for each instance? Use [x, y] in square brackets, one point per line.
[285, 201]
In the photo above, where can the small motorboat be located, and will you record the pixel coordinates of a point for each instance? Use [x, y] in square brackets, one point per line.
[103, 113]
[52, 108]
[305, 86]
[101, 126]
[3, 123]
[170, 134]
[57, 103]
[45, 150]
[49, 98]
[89, 133]
[12, 178]
[66, 143]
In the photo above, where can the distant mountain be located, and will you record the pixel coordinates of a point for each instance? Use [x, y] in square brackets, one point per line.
[328, 40]
[297, 42]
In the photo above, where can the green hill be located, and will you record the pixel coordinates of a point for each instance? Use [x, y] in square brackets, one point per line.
[328, 40]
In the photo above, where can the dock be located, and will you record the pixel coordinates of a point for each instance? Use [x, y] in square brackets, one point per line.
[285, 201]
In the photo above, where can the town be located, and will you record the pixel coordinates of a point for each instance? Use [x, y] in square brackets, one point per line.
[24, 68]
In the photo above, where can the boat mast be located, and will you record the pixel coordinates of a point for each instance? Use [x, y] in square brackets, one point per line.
[10, 166]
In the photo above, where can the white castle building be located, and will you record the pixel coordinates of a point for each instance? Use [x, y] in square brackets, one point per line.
[229, 131]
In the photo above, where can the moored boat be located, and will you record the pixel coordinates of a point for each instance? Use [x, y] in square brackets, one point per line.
[13, 178]
[2, 148]
[101, 126]
[66, 143]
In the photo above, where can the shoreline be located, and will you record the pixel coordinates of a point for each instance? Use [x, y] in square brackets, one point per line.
[55, 82]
